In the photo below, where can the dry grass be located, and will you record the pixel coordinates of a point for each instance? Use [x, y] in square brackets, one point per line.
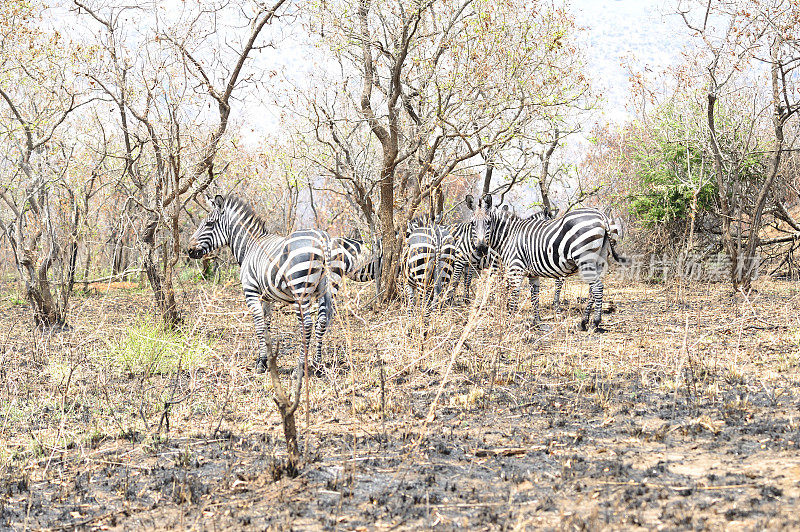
[683, 414]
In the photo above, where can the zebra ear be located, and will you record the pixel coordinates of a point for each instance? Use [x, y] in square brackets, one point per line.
[470, 201]
[487, 201]
[218, 201]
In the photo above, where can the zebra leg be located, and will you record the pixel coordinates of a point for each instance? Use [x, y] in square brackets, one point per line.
[588, 311]
[534, 282]
[307, 328]
[458, 271]
[261, 318]
[410, 297]
[467, 283]
[427, 305]
[597, 293]
[324, 316]
[557, 297]
[515, 285]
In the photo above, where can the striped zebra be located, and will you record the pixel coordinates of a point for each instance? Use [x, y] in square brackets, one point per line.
[296, 269]
[428, 265]
[471, 254]
[615, 234]
[578, 242]
[471, 243]
[358, 262]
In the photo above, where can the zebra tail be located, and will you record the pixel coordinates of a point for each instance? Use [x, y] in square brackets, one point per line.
[611, 241]
[619, 258]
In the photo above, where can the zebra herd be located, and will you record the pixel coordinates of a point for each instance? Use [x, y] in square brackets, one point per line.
[306, 268]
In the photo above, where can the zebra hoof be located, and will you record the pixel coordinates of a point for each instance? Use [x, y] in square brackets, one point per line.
[582, 326]
[261, 365]
[600, 330]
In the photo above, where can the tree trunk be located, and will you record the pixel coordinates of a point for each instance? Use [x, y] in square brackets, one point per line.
[544, 185]
[287, 405]
[163, 290]
[439, 202]
[46, 312]
[750, 261]
[487, 178]
[87, 264]
[290, 434]
[390, 245]
[722, 194]
[119, 261]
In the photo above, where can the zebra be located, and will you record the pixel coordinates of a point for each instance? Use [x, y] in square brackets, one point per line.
[428, 265]
[472, 256]
[471, 242]
[356, 260]
[615, 234]
[297, 269]
[578, 242]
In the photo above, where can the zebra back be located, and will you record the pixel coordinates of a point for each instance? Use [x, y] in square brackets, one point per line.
[552, 248]
[429, 259]
[296, 268]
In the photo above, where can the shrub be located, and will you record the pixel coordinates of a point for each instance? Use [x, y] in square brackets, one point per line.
[147, 347]
[672, 161]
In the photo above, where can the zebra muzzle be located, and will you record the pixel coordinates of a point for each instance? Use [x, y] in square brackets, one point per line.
[195, 253]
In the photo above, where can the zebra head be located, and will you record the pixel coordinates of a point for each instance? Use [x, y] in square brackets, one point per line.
[209, 236]
[481, 234]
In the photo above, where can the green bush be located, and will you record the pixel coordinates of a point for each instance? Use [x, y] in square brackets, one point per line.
[673, 162]
[668, 180]
[147, 347]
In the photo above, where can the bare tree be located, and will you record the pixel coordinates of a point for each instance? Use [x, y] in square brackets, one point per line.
[42, 211]
[168, 159]
[736, 36]
[427, 87]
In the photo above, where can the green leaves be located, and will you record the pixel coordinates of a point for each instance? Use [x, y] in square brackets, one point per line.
[674, 168]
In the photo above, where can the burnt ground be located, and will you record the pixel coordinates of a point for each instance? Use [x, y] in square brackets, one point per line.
[684, 415]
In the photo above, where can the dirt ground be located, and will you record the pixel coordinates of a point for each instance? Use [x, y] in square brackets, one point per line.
[684, 415]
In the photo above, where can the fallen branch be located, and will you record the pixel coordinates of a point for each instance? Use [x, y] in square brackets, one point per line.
[111, 277]
[780, 240]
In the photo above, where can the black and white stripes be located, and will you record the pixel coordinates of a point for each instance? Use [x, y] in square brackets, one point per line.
[296, 269]
[578, 242]
[306, 268]
[428, 266]
[471, 239]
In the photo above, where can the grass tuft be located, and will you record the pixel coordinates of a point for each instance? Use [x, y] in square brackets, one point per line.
[148, 348]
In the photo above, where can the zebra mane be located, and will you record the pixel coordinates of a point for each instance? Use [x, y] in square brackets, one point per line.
[509, 214]
[255, 220]
[426, 219]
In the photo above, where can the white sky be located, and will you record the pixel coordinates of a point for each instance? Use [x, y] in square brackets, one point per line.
[623, 34]
[619, 35]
